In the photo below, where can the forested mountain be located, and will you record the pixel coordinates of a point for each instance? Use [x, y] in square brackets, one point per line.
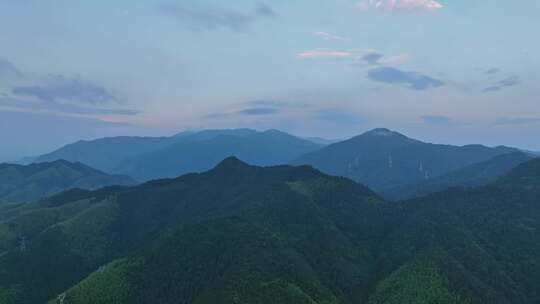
[383, 159]
[246, 234]
[474, 175]
[20, 183]
[150, 158]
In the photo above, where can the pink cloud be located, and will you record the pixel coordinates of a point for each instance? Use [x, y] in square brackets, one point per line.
[328, 36]
[325, 54]
[399, 4]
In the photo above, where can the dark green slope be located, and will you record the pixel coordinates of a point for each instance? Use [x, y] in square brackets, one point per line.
[474, 175]
[485, 241]
[245, 234]
[29, 183]
[384, 159]
[288, 231]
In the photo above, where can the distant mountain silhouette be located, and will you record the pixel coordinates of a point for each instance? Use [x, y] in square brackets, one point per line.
[20, 183]
[383, 159]
[145, 158]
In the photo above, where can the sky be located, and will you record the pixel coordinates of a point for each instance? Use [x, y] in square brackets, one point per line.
[448, 71]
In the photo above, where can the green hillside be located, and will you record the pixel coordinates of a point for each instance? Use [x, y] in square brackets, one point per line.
[245, 234]
[35, 181]
[478, 174]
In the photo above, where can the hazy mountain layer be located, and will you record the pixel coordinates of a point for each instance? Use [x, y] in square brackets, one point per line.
[151, 158]
[383, 159]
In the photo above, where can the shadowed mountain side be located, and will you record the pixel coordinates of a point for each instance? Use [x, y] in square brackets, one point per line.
[474, 175]
[35, 181]
[384, 159]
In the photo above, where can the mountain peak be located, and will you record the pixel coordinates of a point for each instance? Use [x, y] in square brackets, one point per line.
[382, 132]
[231, 162]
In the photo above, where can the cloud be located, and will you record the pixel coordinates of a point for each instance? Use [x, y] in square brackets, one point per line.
[492, 71]
[32, 105]
[214, 19]
[436, 120]
[326, 54]
[264, 10]
[505, 83]
[60, 88]
[394, 60]
[517, 121]
[328, 36]
[413, 80]
[258, 111]
[8, 70]
[372, 58]
[392, 5]
[357, 57]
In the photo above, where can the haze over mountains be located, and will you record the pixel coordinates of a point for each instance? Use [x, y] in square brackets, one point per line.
[146, 158]
[246, 234]
[383, 159]
[388, 162]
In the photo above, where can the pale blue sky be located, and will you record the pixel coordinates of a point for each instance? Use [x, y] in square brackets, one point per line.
[443, 71]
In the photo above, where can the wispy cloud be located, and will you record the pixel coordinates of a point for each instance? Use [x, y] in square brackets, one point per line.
[216, 18]
[326, 54]
[372, 58]
[505, 83]
[58, 88]
[391, 5]
[355, 56]
[263, 9]
[56, 94]
[33, 105]
[8, 70]
[258, 111]
[413, 80]
[329, 36]
[492, 71]
[437, 120]
[517, 121]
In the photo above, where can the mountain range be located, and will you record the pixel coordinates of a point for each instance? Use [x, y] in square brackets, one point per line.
[246, 234]
[146, 158]
[32, 182]
[383, 159]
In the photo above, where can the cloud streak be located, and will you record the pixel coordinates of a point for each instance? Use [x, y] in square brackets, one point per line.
[258, 111]
[326, 54]
[32, 105]
[412, 80]
[329, 36]
[214, 18]
[437, 120]
[69, 89]
[8, 70]
[502, 84]
[396, 5]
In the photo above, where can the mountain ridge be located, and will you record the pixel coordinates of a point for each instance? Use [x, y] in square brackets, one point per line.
[384, 159]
